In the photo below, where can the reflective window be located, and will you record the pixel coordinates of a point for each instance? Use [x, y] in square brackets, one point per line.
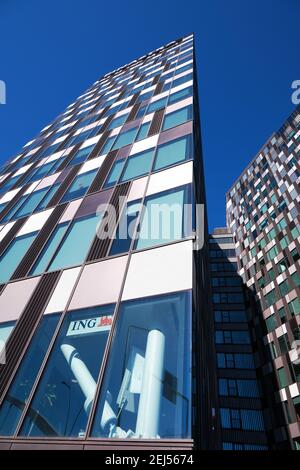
[126, 228]
[146, 390]
[166, 217]
[5, 331]
[180, 95]
[117, 122]
[76, 243]
[173, 152]
[12, 256]
[80, 185]
[177, 117]
[31, 202]
[49, 249]
[81, 155]
[114, 173]
[19, 391]
[48, 197]
[143, 132]
[125, 138]
[157, 105]
[138, 165]
[63, 400]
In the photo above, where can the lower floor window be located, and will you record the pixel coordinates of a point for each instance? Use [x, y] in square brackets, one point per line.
[146, 391]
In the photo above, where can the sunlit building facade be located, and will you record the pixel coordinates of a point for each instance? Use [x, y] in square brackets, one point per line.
[108, 338]
[263, 214]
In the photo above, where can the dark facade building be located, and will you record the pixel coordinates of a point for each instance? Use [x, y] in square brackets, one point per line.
[263, 214]
[108, 338]
[241, 405]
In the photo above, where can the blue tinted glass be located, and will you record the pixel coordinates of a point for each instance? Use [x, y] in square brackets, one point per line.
[126, 228]
[114, 173]
[81, 155]
[76, 242]
[5, 330]
[31, 203]
[14, 209]
[180, 95]
[41, 172]
[125, 138]
[9, 184]
[65, 394]
[48, 197]
[177, 117]
[19, 391]
[117, 122]
[173, 152]
[157, 105]
[49, 249]
[138, 165]
[163, 219]
[143, 131]
[150, 357]
[107, 146]
[183, 79]
[13, 255]
[80, 185]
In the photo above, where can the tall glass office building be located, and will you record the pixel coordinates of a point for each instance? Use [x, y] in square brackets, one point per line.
[104, 309]
[263, 213]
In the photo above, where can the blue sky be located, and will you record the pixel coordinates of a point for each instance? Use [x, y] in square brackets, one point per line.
[247, 57]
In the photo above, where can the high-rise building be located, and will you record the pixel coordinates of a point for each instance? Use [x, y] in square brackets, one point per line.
[241, 404]
[104, 310]
[263, 214]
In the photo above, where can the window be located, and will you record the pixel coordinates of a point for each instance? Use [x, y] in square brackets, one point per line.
[165, 218]
[14, 254]
[143, 132]
[81, 155]
[271, 323]
[173, 152]
[125, 138]
[283, 380]
[232, 337]
[39, 173]
[114, 173]
[294, 306]
[235, 361]
[31, 202]
[19, 391]
[228, 298]
[146, 390]
[107, 146]
[230, 316]
[157, 105]
[248, 420]
[180, 95]
[117, 122]
[138, 165]
[272, 253]
[177, 117]
[73, 249]
[238, 387]
[80, 185]
[65, 394]
[47, 197]
[5, 331]
[126, 227]
[49, 249]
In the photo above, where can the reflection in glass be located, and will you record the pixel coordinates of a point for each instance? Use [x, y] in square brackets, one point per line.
[62, 402]
[146, 390]
[18, 393]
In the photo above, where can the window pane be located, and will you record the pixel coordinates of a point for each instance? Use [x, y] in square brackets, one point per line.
[146, 390]
[31, 202]
[138, 165]
[157, 105]
[177, 117]
[81, 155]
[76, 243]
[173, 152]
[115, 173]
[19, 391]
[79, 186]
[126, 228]
[13, 255]
[143, 131]
[48, 197]
[5, 330]
[125, 138]
[49, 250]
[163, 219]
[65, 394]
